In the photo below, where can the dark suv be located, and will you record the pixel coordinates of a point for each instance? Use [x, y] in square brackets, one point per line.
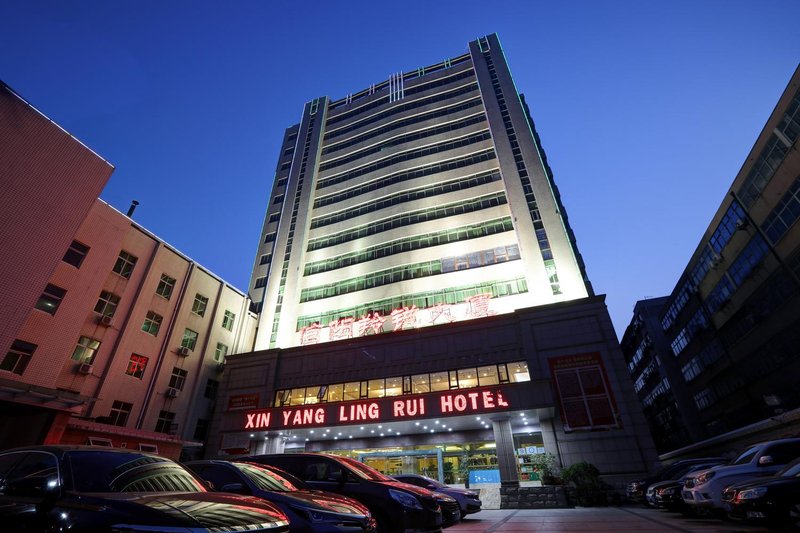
[397, 507]
[83, 489]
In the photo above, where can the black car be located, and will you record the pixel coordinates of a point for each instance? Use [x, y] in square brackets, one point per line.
[775, 499]
[467, 499]
[82, 489]
[397, 507]
[308, 510]
[637, 490]
[667, 494]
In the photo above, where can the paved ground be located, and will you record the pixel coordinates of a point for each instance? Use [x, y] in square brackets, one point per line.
[594, 519]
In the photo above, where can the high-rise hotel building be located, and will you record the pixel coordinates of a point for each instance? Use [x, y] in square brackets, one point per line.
[423, 305]
[421, 200]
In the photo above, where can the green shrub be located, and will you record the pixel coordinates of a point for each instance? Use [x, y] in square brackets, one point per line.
[585, 478]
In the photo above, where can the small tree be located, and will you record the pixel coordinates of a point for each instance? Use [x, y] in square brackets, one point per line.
[546, 466]
[585, 477]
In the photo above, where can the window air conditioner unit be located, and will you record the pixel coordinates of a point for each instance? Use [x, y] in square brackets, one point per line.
[183, 350]
[104, 320]
[172, 392]
[85, 368]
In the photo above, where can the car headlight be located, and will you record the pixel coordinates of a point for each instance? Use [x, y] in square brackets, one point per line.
[471, 494]
[316, 516]
[668, 490]
[704, 478]
[405, 499]
[751, 494]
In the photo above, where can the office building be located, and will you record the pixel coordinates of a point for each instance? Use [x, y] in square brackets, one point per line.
[730, 328]
[423, 303]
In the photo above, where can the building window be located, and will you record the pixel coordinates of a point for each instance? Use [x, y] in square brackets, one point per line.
[201, 429]
[136, 366]
[120, 411]
[76, 254]
[164, 423]
[220, 352]
[274, 217]
[124, 265]
[265, 259]
[178, 378]
[189, 339]
[227, 320]
[165, 286]
[86, 350]
[199, 305]
[269, 238]
[50, 299]
[106, 304]
[261, 282]
[152, 323]
[212, 386]
[18, 357]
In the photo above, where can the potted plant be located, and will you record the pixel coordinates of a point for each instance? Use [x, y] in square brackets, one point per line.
[585, 479]
[546, 466]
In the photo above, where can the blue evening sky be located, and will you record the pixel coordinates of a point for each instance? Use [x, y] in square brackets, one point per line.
[646, 110]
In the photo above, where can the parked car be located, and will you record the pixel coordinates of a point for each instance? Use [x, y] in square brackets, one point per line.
[667, 494]
[308, 509]
[397, 507]
[703, 489]
[468, 500]
[82, 489]
[451, 511]
[637, 490]
[775, 499]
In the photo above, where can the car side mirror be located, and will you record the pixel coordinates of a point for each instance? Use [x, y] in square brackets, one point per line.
[209, 484]
[32, 487]
[238, 488]
[765, 460]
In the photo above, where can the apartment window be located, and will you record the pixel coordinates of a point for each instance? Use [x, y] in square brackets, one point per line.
[164, 422]
[274, 217]
[124, 265]
[201, 429]
[227, 320]
[261, 282]
[152, 323]
[106, 304]
[18, 357]
[220, 352]
[212, 386]
[50, 299]
[269, 238]
[86, 350]
[265, 259]
[189, 339]
[178, 378]
[199, 305]
[137, 365]
[120, 411]
[165, 286]
[76, 254]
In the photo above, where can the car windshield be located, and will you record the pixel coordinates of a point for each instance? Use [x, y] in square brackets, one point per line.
[266, 479]
[746, 457]
[105, 471]
[363, 471]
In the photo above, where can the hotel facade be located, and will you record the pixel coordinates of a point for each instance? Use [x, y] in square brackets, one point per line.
[423, 304]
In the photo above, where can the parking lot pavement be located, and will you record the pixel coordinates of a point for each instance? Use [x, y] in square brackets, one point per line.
[594, 519]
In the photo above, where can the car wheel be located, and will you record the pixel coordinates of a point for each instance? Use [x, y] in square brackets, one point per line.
[794, 516]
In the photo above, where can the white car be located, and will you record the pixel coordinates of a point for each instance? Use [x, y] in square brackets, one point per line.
[703, 489]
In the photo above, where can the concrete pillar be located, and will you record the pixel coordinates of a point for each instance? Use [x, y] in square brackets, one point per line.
[506, 460]
[550, 440]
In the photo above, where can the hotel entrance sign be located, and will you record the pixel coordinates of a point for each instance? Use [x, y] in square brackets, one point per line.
[395, 408]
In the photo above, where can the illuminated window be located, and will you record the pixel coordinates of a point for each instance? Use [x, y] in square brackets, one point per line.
[86, 350]
[227, 320]
[50, 299]
[189, 339]
[394, 386]
[178, 378]
[124, 265]
[164, 423]
[335, 392]
[220, 352]
[165, 286]
[76, 253]
[352, 390]
[137, 365]
[518, 372]
[376, 388]
[152, 323]
[298, 396]
[467, 378]
[107, 304]
[420, 384]
[311, 395]
[18, 357]
[439, 381]
[199, 305]
[120, 411]
[487, 375]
